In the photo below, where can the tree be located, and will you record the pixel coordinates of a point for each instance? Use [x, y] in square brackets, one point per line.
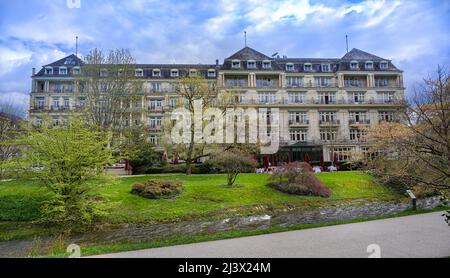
[109, 84]
[137, 149]
[417, 152]
[66, 160]
[233, 164]
[10, 128]
[191, 89]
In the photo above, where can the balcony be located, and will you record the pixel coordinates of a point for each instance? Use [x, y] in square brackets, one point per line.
[236, 83]
[326, 101]
[359, 122]
[329, 122]
[155, 127]
[355, 83]
[260, 83]
[155, 109]
[295, 85]
[298, 123]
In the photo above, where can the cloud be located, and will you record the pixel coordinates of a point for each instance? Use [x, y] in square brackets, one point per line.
[34, 33]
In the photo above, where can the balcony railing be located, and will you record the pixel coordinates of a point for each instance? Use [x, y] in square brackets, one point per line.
[329, 122]
[355, 83]
[357, 122]
[302, 122]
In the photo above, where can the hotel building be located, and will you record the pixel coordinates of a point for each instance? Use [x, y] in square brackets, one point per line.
[325, 104]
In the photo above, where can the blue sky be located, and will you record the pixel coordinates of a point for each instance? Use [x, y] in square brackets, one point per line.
[414, 34]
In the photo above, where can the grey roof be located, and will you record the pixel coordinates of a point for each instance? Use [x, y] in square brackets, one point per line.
[245, 54]
[356, 54]
[69, 61]
[248, 53]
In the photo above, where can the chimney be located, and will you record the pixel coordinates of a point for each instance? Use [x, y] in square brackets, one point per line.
[33, 71]
[217, 62]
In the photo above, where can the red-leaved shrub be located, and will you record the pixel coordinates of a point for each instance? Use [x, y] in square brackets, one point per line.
[298, 178]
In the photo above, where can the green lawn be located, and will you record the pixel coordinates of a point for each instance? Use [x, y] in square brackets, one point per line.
[204, 197]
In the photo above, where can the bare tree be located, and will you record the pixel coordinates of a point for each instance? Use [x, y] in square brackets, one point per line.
[10, 122]
[418, 153]
[109, 84]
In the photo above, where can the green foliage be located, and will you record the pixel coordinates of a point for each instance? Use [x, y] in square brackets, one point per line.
[156, 189]
[139, 151]
[202, 197]
[233, 163]
[66, 159]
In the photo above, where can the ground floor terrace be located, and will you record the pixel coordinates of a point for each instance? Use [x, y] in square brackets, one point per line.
[314, 153]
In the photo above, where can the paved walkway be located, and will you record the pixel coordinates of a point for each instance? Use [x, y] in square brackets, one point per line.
[423, 235]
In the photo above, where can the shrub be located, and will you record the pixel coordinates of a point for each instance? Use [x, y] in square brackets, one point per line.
[298, 178]
[156, 189]
[232, 164]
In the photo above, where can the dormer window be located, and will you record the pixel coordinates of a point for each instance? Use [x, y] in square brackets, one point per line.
[76, 70]
[211, 73]
[326, 67]
[48, 70]
[354, 65]
[251, 64]
[139, 73]
[307, 67]
[173, 73]
[369, 65]
[193, 72]
[235, 64]
[156, 73]
[383, 65]
[289, 67]
[63, 71]
[266, 65]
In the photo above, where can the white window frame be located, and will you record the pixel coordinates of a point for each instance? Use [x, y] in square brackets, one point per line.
[368, 65]
[297, 117]
[327, 116]
[307, 65]
[326, 65]
[298, 134]
[251, 64]
[156, 73]
[328, 134]
[63, 71]
[267, 97]
[358, 116]
[235, 64]
[358, 97]
[48, 70]
[358, 135]
[139, 73]
[294, 81]
[289, 67]
[211, 73]
[386, 65]
[174, 73]
[266, 64]
[352, 63]
[387, 116]
[296, 97]
[327, 97]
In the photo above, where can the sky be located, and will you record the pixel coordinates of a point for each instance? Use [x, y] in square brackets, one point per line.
[413, 34]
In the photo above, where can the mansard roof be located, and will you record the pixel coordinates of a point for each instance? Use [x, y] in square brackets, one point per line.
[248, 53]
[357, 54]
[69, 61]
